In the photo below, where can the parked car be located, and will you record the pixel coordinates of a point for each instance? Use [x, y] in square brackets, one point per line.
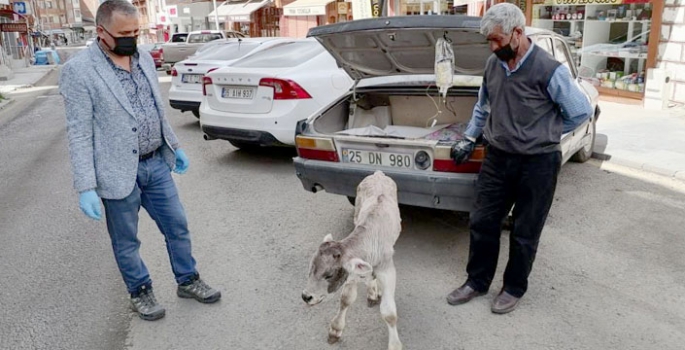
[387, 122]
[185, 93]
[258, 100]
[185, 44]
[155, 50]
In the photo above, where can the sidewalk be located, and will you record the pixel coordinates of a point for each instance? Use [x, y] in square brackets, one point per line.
[632, 136]
[23, 78]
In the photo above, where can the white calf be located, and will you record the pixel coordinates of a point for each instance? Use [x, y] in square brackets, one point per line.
[365, 254]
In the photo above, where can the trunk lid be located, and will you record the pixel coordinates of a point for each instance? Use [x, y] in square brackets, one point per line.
[190, 73]
[238, 91]
[403, 45]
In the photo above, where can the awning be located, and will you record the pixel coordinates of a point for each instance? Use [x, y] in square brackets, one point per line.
[238, 11]
[56, 31]
[306, 8]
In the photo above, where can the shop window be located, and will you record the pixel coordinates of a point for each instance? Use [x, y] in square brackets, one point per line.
[608, 42]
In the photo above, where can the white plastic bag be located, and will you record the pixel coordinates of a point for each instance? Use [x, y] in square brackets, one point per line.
[444, 65]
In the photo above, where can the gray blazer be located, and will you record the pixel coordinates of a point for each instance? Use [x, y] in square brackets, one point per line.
[101, 124]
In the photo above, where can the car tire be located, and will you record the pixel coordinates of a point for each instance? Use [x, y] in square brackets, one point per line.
[585, 153]
[196, 113]
[244, 145]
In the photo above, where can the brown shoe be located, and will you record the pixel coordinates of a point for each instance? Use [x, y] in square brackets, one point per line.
[463, 294]
[504, 303]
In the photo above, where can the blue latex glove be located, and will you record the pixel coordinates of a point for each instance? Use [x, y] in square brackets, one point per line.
[182, 162]
[89, 201]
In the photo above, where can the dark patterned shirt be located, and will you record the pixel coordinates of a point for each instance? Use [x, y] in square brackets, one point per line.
[139, 93]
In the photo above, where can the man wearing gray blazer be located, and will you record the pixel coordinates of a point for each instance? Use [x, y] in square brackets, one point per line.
[122, 152]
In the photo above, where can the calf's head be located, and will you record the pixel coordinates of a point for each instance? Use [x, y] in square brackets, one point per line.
[329, 270]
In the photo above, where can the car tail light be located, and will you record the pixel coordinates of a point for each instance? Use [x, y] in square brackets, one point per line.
[206, 81]
[444, 163]
[211, 70]
[174, 72]
[285, 89]
[317, 148]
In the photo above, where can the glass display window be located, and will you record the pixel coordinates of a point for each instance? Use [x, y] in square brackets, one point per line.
[609, 39]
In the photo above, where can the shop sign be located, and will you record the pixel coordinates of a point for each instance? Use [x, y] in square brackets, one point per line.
[342, 8]
[13, 27]
[239, 18]
[361, 9]
[375, 8]
[21, 8]
[588, 2]
[305, 11]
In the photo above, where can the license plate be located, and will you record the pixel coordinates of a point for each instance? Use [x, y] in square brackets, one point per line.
[386, 159]
[191, 78]
[243, 93]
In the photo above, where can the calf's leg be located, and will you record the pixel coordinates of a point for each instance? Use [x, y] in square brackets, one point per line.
[387, 278]
[347, 298]
[373, 292]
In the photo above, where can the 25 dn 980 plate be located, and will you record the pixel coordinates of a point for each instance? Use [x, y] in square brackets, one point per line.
[386, 159]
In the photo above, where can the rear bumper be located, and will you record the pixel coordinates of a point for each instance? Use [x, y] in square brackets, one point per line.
[184, 105]
[255, 137]
[446, 191]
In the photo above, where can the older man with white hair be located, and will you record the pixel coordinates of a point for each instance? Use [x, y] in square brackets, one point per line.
[527, 100]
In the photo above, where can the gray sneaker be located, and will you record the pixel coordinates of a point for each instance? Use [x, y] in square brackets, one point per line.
[200, 291]
[145, 304]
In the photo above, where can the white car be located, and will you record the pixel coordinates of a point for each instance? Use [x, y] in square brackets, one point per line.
[258, 100]
[394, 119]
[185, 93]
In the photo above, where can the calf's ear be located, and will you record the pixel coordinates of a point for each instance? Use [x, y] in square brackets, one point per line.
[359, 267]
[328, 238]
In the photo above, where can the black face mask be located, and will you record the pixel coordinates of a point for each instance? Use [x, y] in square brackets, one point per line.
[506, 53]
[123, 46]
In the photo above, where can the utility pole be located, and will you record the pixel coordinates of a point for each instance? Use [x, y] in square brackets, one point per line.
[216, 16]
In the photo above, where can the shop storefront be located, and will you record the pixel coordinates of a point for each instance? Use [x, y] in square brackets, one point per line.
[256, 18]
[614, 42]
[300, 15]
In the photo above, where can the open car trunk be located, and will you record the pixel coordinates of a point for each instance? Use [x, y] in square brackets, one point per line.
[405, 115]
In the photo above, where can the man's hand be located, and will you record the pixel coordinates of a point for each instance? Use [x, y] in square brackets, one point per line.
[182, 162]
[89, 201]
[461, 151]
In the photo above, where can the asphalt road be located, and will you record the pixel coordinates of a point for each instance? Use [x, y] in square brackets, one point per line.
[610, 272]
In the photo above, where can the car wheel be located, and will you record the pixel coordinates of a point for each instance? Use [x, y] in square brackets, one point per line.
[244, 145]
[196, 113]
[585, 153]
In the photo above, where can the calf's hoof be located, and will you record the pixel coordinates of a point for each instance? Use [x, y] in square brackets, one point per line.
[332, 338]
[373, 302]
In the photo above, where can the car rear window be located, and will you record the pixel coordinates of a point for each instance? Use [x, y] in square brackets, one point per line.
[179, 38]
[203, 38]
[282, 55]
[227, 52]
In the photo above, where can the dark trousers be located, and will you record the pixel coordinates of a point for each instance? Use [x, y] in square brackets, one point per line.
[526, 182]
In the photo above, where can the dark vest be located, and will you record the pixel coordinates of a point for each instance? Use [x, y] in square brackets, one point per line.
[523, 118]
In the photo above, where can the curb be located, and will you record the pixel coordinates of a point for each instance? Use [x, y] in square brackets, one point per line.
[8, 102]
[640, 166]
[38, 81]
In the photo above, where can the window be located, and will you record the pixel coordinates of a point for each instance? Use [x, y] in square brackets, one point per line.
[283, 55]
[77, 13]
[561, 54]
[203, 38]
[545, 43]
[230, 51]
[179, 38]
[48, 4]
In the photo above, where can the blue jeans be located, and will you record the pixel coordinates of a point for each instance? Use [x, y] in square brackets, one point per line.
[156, 192]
